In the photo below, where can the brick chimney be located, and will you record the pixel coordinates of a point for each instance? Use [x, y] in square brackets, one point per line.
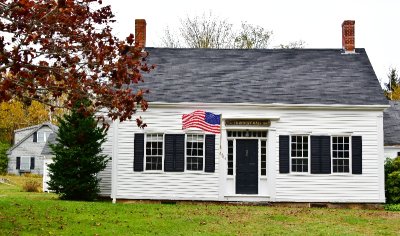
[348, 39]
[140, 33]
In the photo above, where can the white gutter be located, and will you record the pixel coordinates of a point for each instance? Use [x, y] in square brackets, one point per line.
[271, 105]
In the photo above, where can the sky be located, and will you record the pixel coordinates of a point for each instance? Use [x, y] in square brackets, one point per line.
[317, 22]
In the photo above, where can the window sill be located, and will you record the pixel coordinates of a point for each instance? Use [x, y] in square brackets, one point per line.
[248, 195]
[310, 174]
[153, 172]
[342, 174]
[177, 172]
[300, 173]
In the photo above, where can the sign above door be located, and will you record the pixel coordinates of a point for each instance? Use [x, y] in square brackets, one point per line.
[242, 122]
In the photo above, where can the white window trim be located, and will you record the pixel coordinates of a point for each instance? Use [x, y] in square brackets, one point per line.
[204, 152]
[308, 152]
[350, 155]
[145, 153]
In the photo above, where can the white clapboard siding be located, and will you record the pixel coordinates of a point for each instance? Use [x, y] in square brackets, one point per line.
[367, 187]
[165, 185]
[105, 175]
[334, 187]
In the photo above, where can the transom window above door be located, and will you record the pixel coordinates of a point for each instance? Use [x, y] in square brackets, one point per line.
[247, 133]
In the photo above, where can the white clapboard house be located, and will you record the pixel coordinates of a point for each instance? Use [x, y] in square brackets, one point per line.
[295, 125]
[25, 156]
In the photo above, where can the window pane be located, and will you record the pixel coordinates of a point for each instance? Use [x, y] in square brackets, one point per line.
[298, 153]
[305, 153]
[334, 154]
[305, 139]
[334, 139]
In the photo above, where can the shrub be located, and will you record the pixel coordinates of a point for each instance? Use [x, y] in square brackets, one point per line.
[30, 175]
[392, 180]
[392, 207]
[31, 186]
[3, 157]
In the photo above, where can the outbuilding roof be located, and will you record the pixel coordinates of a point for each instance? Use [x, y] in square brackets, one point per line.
[262, 76]
[391, 124]
[50, 140]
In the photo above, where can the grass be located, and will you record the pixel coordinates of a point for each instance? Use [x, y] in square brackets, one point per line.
[22, 180]
[23, 213]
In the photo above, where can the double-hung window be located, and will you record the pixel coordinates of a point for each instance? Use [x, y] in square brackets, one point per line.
[340, 154]
[154, 151]
[42, 136]
[299, 153]
[195, 152]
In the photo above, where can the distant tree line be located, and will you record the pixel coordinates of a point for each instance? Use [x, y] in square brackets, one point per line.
[209, 31]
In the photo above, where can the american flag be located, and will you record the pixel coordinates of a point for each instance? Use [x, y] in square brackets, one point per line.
[203, 120]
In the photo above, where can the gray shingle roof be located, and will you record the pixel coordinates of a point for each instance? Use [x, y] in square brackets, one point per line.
[263, 76]
[391, 124]
[50, 140]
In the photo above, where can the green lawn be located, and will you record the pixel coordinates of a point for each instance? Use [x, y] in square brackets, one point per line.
[24, 213]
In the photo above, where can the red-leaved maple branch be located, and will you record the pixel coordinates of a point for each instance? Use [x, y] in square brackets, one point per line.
[50, 49]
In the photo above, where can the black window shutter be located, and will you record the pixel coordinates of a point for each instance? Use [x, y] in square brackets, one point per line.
[18, 165]
[356, 146]
[138, 152]
[179, 152]
[320, 154]
[174, 158]
[32, 163]
[210, 153]
[284, 154]
[35, 137]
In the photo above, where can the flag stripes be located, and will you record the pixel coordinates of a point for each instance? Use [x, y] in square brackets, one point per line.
[198, 119]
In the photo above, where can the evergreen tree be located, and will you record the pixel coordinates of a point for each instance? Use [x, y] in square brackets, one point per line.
[73, 175]
[3, 157]
[393, 85]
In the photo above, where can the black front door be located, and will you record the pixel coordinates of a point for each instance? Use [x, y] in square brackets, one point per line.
[246, 166]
